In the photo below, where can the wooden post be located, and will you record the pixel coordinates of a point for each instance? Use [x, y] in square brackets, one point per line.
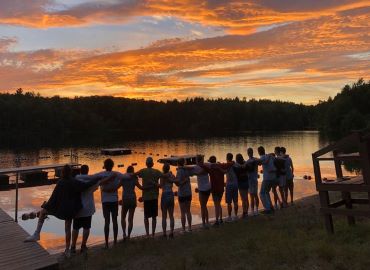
[324, 201]
[346, 196]
[16, 198]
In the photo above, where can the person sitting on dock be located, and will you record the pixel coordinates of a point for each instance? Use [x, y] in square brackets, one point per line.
[184, 194]
[167, 199]
[84, 216]
[289, 174]
[150, 178]
[64, 203]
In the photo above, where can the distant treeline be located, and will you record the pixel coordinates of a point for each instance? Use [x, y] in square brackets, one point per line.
[31, 115]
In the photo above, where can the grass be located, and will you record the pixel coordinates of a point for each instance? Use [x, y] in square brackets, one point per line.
[292, 239]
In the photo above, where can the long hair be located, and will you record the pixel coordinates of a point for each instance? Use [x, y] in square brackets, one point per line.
[67, 172]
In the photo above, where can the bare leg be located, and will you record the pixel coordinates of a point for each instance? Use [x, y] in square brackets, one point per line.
[115, 228]
[229, 209]
[36, 235]
[236, 208]
[67, 226]
[164, 220]
[183, 218]
[131, 213]
[146, 223]
[85, 236]
[172, 220]
[123, 221]
[188, 214]
[154, 225]
[106, 229]
[252, 201]
[74, 238]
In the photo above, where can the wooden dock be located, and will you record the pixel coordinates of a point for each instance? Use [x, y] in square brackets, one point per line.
[17, 255]
[115, 151]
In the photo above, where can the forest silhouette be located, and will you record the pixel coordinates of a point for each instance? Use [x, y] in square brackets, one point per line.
[27, 115]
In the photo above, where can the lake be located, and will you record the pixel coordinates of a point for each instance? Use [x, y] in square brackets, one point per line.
[300, 146]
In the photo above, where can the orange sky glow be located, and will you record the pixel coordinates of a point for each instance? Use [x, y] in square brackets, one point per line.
[295, 50]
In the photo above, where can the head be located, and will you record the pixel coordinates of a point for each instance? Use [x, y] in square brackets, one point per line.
[229, 157]
[283, 150]
[261, 150]
[108, 164]
[84, 169]
[166, 168]
[212, 159]
[149, 162]
[67, 172]
[130, 169]
[200, 159]
[181, 162]
[250, 152]
[277, 150]
[239, 159]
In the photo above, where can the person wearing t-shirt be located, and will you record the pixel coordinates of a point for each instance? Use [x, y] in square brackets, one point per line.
[84, 216]
[184, 194]
[150, 179]
[231, 189]
[109, 199]
[252, 166]
[289, 174]
[204, 188]
[216, 173]
[167, 199]
[279, 163]
[268, 167]
[128, 182]
[240, 169]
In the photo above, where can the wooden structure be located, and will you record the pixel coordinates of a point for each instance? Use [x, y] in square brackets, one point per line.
[346, 185]
[116, 151]
[27, 169]
[17, 255]
[173, 160]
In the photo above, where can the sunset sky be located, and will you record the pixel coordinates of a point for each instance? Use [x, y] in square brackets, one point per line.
[296, 50]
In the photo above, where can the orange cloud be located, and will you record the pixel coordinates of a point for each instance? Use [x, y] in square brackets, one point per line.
[304, 52]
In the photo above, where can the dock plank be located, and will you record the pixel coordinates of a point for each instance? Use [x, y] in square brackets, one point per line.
[17, 255]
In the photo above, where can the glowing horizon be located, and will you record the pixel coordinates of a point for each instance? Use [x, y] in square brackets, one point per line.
[289, 50]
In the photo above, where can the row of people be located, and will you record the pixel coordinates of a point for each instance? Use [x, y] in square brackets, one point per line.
[73, 201]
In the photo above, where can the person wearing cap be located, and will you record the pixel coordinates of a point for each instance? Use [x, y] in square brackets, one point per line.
[150, 179]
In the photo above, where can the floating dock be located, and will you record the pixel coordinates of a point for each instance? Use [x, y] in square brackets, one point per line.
[17, 255]
[115, 151]
[173, 160]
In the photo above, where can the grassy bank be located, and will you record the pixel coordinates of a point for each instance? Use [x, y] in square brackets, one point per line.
[292, 239]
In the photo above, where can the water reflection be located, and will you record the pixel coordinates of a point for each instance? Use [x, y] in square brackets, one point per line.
[300, 146]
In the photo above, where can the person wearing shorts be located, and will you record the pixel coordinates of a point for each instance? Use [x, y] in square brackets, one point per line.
[128, 182]
[252, 166]
[231, 190]
[84, 216]
[167, 200]
[184, 194]
[279, 163]
[109, 199]
[150, 183]
[243, 185]
[216, 173]
[289, 169]
[204, 189]
[269, 177]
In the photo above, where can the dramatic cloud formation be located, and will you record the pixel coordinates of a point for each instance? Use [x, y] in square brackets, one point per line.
[272, 50]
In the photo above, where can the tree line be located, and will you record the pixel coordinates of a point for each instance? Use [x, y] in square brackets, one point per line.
[30, 115]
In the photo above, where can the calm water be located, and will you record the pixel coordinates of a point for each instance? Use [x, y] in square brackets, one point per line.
[300, 146]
